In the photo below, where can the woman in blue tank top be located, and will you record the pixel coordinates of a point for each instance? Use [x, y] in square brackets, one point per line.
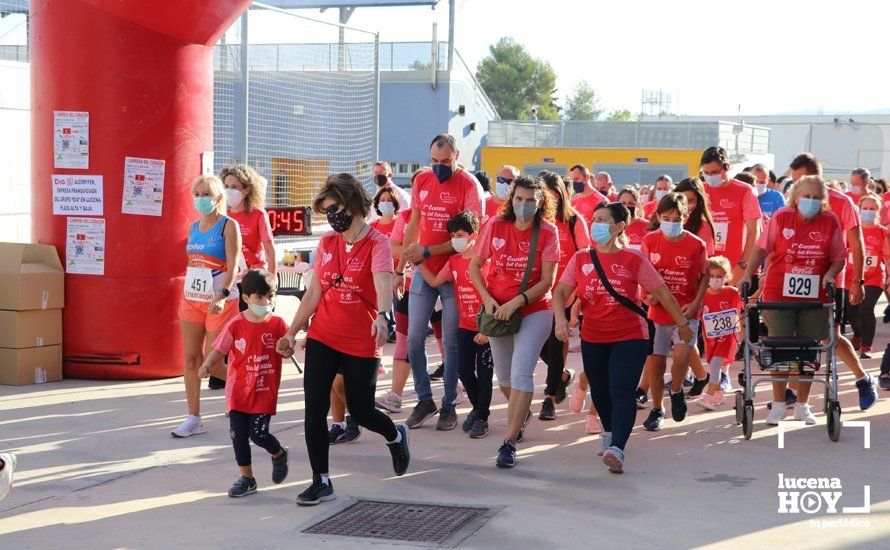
[210, 297]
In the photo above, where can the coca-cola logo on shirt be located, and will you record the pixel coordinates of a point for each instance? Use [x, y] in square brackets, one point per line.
[803, 270]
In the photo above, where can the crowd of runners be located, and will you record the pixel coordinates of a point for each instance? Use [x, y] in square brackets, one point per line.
[505, 272]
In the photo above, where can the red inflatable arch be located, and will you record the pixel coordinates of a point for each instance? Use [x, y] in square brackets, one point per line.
[142, 69]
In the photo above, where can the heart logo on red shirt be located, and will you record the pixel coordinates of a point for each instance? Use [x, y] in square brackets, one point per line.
[655, 257]
[241, 344]
[423, 194]
[326, 257]
[498, 243]
[587, 268]
[787, 233]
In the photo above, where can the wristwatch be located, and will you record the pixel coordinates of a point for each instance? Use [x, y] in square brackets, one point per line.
[381, 314]
[225, 292]
[426, 253]
[743, 264]
[860, 282]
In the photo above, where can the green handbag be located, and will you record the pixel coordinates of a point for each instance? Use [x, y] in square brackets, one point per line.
[487, 323]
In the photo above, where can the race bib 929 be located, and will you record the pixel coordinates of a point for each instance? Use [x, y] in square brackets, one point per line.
[798, 285]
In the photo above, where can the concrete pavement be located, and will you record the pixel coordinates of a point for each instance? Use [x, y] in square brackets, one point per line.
[98, 469]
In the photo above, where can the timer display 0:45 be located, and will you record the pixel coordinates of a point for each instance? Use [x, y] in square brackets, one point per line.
[290, 220]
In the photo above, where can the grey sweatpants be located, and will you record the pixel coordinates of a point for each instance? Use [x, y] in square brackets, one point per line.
[515, 356]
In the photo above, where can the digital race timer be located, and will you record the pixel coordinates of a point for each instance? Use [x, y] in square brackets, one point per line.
[290, 220]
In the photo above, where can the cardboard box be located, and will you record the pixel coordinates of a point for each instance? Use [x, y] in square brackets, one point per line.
[30, 329]
[31, 277]
[19, 367]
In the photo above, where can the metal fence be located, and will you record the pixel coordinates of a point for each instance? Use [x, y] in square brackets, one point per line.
[311, 108]
[14, 30]
[739, 138]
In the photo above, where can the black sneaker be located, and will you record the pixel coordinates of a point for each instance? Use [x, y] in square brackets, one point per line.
[353, 430]
[884, 381]
[480, 429]
[868, 392]
[336, 434]
[568, 376]
[279, 467]
[468, 423]
[401, 454]
[548, 410]
[317, 493]
[242, 487]
[423, 411]
[641, 398]
[506, 455]
[439, 373]
[447, 419]
[215, 383]
[699, 386]
[655, 420]
[521, 436]
[678, 406]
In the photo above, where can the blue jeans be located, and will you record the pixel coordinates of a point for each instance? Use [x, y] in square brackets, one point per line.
[420, 308]
[613, 372]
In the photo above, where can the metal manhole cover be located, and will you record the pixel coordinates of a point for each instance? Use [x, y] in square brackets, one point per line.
[398, 521]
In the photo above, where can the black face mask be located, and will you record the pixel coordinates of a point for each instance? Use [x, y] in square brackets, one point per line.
[339, 221]
[604, 192]
[381, 179]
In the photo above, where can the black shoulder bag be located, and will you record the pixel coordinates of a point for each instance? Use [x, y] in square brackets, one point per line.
[623, 300]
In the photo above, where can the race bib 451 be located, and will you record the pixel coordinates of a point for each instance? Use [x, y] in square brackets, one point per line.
[198, 284]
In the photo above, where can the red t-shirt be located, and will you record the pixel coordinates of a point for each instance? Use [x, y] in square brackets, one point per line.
[509, 249]
[649, 208]
[386, 228]
[732, 204]
[586, 205]
[706, 235]
[398, 236]
[635, 233]
[491, 210]
[875, 240]
[255, 230]
[254, 371]
[457, 270]
[885, 209]
[681, 264]
[439, 202]
[848, 215]
[568, 244]
[727, 298]
[605, 320]
[805, 248]
[347, 308]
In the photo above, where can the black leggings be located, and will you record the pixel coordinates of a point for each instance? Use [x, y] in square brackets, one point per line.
[862, 316]
[359, 382]
[552, 355]
[475, 369]
[246, 427]
[613, 371]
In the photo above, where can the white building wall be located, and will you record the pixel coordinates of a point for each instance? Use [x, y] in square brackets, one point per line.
[15, 152]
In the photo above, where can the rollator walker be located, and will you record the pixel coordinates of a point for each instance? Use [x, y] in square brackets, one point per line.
[784, 359]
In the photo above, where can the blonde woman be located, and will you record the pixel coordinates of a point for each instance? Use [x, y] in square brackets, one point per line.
[210, 297]
[246, 196]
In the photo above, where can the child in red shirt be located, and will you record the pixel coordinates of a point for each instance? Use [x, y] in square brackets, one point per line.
[475, 365]
[721, 309]
[253, 377]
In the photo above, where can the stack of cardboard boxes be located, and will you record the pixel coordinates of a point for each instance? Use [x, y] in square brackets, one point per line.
[32, 295]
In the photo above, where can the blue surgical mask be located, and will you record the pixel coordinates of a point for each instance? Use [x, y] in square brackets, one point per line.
[442, 172]
[714, 181]
[502, 190]
[386, 208]
[525, 212]
[262, 311]
[204, 205]
[809, 207]
[579, 186]
[601, 232]
[671, 229]
[869, 216]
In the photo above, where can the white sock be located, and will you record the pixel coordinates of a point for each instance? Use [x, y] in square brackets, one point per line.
[398, 438]
[324, 480]
[864, 377]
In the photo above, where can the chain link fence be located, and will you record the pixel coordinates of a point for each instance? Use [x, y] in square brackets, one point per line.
[14, 30]
[310, 98]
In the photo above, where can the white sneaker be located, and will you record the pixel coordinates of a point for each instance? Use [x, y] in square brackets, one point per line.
[192, 425]
[802, 412]
[6, 474]
[605, 443]
[390, 401]
[776, 414]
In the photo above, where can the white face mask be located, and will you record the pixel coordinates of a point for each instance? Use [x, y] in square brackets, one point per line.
[660, 194]
[460, 244]
[386, 208]
[716, 284]
[761, 188]
[234, 197]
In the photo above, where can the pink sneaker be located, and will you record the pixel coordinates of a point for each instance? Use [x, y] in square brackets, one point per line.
[592, 424]
[577, 400]
[711, 402]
